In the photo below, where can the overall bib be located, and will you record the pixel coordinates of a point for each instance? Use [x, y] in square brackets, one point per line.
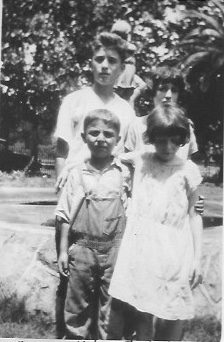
[95, 236]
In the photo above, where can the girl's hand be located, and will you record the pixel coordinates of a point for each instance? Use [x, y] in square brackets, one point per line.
[196, 277]
[199, 205]
[63, 264]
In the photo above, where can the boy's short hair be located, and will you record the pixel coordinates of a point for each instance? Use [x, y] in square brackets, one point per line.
[167, 119]
[105, 115]
[166, 74]
[112, 41]
[122, 28]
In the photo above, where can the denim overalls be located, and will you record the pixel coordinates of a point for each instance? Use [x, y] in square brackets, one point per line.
[95, 236]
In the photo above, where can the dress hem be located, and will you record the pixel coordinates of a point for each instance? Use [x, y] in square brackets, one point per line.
[154, 312]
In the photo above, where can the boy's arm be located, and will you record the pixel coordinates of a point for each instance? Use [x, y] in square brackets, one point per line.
[197, 229]
[68, 204]
[61, 154]
[63, 133]
[134, 140]
[63, 251]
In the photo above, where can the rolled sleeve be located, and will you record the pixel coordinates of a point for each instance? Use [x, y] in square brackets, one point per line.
[193, 146]
[193, 177]
[70, 199]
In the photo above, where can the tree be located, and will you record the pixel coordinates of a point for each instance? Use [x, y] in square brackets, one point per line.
[46, 47]
[203, 64]
[203, 46]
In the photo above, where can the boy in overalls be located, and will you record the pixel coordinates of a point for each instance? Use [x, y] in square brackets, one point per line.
[91, 211]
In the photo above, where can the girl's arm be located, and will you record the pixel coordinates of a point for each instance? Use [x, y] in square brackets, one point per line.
[63, 251]
[197, 229]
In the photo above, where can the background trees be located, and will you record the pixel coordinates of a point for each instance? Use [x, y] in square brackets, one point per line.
[47, 45]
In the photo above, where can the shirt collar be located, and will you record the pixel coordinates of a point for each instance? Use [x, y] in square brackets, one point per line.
[115, 162]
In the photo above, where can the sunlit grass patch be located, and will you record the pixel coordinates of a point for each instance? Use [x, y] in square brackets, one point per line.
[19, 179]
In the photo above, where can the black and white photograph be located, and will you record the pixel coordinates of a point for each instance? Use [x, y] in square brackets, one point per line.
[111, 170]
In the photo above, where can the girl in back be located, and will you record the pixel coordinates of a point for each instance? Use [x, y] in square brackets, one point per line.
[158, 264]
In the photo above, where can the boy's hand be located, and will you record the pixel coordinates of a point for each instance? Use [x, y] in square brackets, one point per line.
[199, 205]
[61, 180]
[63, 264]
[196, 278]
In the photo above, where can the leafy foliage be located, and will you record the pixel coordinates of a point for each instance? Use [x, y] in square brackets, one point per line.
[46, 50]
[204, 45]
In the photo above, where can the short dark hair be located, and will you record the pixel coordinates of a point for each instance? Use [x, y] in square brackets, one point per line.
[105, 115]
[167, 74]
[110, 40]
[167, 119]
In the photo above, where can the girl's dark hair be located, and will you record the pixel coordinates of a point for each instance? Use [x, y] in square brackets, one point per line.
[113, 41]
[167, 74]
[105, 115]
[167, 119]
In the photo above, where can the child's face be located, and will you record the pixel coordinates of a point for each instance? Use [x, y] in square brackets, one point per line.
[166, 93]
[167, 146]
[106, 66]
[101, 138]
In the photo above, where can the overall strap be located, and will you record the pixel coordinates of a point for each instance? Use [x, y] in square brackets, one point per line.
[121, 182]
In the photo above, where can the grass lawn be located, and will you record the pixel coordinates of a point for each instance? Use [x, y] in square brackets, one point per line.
[18, 179]
[15, 322]
[213, 193]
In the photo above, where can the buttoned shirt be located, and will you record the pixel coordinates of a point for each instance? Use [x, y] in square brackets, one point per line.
[114, 179]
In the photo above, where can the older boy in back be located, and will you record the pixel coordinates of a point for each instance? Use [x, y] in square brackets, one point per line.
[109, 53]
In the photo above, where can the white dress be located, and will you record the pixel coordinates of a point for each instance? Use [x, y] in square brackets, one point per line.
[156, 254]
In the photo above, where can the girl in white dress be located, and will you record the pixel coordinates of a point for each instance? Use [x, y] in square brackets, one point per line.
[158, 264]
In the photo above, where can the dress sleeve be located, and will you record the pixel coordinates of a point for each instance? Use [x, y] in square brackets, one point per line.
[71, 197]
[193, 176]
[193, 146]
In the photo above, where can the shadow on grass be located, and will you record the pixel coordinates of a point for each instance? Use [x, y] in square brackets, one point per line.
[203, 329]
[212, 221]
[16, 321]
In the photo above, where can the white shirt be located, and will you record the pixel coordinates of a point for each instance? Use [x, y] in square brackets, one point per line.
[71, 116]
